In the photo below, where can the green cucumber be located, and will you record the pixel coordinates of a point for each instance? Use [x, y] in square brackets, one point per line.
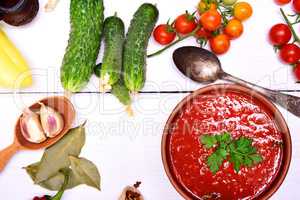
[114, 35]
[86, 18]
[120, 91]
[135, 47]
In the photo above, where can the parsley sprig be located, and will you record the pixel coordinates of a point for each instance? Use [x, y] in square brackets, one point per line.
[239, 152]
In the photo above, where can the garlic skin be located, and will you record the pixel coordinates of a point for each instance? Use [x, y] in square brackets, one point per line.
[131, 193]
[52, 121]
[31, 128]
[51, 4]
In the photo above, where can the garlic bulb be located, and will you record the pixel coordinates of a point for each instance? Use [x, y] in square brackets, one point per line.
[132, 193]
[31, 128]
[52, 121]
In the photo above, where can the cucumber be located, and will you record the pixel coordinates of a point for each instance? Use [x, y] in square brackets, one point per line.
[86, 18]
[120, 91]
[114, 36]
[135, 47]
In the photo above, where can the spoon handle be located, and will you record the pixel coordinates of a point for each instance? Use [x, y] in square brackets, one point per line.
[6, 154]
[289, 102]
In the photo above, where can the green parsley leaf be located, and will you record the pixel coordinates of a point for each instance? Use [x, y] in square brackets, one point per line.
[248, 162]
[216, 159]
[241, 152]
[224, 138]
[244, 145]
[208, 140]
[256, 158]
[222, 152]
[213, 162]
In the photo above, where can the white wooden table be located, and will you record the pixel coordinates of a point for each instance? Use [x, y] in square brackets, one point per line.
[128, 149]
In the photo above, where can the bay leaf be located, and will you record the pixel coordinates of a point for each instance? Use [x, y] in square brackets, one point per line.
[55, 157]
[32, 170]
[85, 171]
[55, 182]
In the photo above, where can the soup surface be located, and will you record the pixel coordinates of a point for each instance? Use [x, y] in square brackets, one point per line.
[214, 114]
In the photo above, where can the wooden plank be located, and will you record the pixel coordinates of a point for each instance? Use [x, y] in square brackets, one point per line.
[251, 57]
[125, 149]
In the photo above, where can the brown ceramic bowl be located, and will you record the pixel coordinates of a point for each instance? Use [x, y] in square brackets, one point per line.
[277, 116]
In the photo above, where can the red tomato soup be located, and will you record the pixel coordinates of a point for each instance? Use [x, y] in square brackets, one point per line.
[214, 114]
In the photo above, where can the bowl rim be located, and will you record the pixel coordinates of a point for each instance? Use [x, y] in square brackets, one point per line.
[281, 125]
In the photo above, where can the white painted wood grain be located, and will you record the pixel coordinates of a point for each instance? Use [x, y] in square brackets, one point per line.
[251, 57]
[125, 149]
[128, 149]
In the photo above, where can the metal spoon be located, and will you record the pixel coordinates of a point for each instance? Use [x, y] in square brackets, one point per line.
[203, 66]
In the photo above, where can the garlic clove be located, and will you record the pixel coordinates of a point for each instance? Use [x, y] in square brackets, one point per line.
[50, 6]
[131, 193]
[51, 120]
[31, 128]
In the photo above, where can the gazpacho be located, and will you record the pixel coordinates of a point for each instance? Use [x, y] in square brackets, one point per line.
[224, 146]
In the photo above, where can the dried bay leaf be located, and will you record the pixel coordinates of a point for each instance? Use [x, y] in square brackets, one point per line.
[32, 170]
[85, 171]
[55, 157]
[55, 182]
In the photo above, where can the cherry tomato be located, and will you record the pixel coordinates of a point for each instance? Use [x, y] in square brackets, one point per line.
[203, 6]
[220, 44]
[229, 2]
[297, 71]
[282, 2]
[280, 34]
[296, 5]
[234, 28]
[203, 33]
[211, 20]
[242, 11]
[185, 23]
[290, 53]
[164, 34]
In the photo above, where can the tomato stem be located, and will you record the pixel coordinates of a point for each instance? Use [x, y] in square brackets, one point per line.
[297, 21]
[296, 37]
[180, 38]
[225, 20]
[225, 11]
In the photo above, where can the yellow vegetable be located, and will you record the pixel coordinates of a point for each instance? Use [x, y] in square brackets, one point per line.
[14, 70]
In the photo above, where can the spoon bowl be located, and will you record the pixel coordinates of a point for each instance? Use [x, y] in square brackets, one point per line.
[198, 64]
[59, 103]
[203, 66]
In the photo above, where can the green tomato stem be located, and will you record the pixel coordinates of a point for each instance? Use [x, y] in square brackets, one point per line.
[296, 37]
[174, 43]
[225, 20]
